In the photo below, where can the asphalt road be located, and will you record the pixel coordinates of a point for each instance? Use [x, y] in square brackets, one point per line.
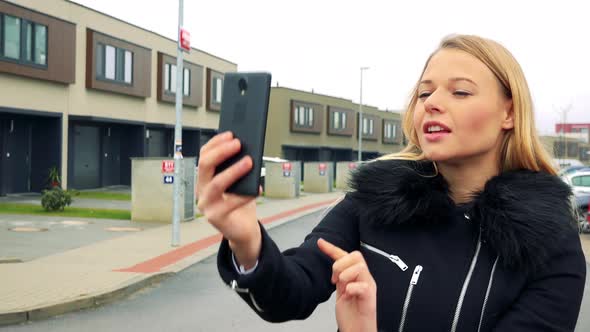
[197, 300]
[194, 300]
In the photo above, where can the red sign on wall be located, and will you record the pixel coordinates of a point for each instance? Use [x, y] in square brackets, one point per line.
[184, 39]
[286, 170]
[322, 169]
[167, 166]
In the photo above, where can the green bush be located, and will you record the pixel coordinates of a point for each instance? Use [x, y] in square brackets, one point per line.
[56, 199]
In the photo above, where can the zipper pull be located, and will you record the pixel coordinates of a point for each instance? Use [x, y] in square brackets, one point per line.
[416, 275]
[397, 261]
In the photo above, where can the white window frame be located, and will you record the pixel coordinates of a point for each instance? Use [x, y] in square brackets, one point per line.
[186, 82]
[111, 66]
[110, 62]
[128, 67]
[303, 116]
[217, 97]
[339, 120]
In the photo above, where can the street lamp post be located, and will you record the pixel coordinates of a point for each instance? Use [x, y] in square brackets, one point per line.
[360, 152]
[178, 135]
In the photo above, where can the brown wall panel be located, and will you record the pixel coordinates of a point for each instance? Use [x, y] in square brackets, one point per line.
[348, 130]
[142, 66]
[397, 139]
[61, 47]
[376, 127]
[318, 118]
[195, 99]
[210, 104]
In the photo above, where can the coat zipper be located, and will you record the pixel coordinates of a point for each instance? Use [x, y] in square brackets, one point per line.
[395, 259]
[234, 286]
[413, 282]
[485, 300]
[466, 284]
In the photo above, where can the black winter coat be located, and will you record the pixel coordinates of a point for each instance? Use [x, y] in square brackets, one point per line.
[510, 260]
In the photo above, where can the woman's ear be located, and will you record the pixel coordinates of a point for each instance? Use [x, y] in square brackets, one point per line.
[508, 115]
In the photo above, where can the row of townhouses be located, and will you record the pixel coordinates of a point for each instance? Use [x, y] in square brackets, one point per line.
[84, 92]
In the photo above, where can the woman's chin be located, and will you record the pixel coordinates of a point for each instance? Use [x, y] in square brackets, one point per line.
[438, 156]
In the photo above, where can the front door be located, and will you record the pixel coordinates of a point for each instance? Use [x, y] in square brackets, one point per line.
[16, 156]
[111, 156]
[86, 157]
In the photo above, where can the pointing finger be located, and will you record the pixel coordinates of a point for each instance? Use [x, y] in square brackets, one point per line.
[331, 250]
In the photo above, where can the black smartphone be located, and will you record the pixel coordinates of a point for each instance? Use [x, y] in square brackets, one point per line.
[244, 109]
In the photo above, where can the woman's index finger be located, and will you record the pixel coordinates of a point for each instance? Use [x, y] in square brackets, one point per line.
[331, 250]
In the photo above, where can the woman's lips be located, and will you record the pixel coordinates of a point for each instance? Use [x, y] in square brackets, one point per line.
[436, 136]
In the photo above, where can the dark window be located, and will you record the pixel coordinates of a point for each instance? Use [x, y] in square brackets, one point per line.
[114, 64]
[23, 41]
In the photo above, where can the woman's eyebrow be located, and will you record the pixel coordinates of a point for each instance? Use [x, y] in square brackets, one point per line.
[452, 79]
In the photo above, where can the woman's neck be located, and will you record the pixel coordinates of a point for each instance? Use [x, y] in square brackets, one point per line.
[467, 177]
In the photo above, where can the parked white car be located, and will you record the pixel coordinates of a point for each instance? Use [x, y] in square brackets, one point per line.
[579, 181]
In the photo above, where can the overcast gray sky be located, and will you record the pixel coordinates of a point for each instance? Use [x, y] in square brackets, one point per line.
[321, 44]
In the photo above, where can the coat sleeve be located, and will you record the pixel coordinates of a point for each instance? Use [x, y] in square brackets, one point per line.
[291, 284]
[551, 300]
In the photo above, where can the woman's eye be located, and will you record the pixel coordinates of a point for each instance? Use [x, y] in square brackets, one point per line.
[424, 95]
[461, 93]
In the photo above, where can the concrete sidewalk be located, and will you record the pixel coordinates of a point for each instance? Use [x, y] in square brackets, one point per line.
[111, 269]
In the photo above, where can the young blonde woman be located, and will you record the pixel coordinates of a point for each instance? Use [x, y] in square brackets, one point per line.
[468, 229]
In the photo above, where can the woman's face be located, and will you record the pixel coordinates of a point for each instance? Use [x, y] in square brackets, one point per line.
[461, 111]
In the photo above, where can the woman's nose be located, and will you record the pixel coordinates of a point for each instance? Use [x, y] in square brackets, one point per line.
[433, 104]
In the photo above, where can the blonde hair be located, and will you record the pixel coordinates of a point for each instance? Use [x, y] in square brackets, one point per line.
[521, 146]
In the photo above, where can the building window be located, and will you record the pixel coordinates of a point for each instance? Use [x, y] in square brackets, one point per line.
[303, 116]
[367, 126]
[339, 120]
[217, 90]
[22, 40]
[11, 37]
[170, 73]
[114, 63]
[390, 129]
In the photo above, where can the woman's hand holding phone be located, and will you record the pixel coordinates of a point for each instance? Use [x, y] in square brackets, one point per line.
[356, 291]
[233, 215]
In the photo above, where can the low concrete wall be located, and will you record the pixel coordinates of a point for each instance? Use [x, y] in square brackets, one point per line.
[318, 177]
[151, 197]
[343, 172]
[282, 180]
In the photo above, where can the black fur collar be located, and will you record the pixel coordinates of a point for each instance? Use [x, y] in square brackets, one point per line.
[523, 214]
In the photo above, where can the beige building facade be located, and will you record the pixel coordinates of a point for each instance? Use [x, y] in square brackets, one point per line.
[307, 126]
[84, 92]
